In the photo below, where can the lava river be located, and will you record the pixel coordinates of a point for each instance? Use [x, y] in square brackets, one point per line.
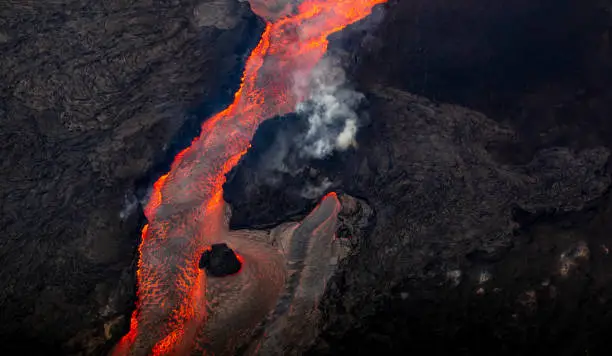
[186, 211]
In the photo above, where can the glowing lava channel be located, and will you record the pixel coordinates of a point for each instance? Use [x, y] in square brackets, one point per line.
[185, 212]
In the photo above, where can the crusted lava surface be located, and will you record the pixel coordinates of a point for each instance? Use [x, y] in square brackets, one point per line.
[492, 212]
[95, 97]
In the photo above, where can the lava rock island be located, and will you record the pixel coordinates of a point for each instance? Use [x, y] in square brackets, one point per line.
[220, 261]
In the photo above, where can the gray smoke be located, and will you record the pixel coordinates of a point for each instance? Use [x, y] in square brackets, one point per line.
[313, 191]
[130, 204]
[330, 106]
[330, 123]
[330, 109]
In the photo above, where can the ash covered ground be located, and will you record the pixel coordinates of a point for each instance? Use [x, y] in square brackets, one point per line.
[485, 159]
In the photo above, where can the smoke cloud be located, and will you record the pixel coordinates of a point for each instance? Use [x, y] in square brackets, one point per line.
[130, 204]
[329, 112]
[327, 121]
[312, 191]
[330, 108]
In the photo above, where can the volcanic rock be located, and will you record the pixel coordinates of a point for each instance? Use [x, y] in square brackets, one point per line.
[95, 96]
[269, 305]
[542, 69]
[220, 261]
[542, 66]
[477, 217]
[444, 203]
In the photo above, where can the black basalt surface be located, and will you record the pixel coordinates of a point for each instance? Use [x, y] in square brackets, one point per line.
[219, 261]
[463, 270]
[492, 232]
[95, 99]
[453, 225]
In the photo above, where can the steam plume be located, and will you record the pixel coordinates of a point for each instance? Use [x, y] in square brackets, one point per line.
[330, 106]
[312, 191]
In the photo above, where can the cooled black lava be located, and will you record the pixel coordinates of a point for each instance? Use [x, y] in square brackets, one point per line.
[220, 261]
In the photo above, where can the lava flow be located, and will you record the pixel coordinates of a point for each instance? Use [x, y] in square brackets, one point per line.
[186, 208]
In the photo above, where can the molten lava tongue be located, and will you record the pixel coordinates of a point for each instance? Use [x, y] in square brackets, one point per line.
[186, 209]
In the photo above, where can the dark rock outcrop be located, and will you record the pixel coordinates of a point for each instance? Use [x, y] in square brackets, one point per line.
[262, 170]
[448, 213]
[92, 96]
[447, 233]
[220, 261]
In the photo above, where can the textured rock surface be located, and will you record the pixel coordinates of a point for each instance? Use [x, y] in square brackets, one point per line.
[449, 213]
[220, 261]
[543, 66]
[91, 95]
[486, 241]
[270, 306]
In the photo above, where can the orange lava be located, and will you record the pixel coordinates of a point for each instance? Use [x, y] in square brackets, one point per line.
[185, 211]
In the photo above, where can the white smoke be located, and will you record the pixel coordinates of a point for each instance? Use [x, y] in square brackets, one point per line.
[327, 111]
[130, 204]
[330, 107]
[311, 191]
[331, 123]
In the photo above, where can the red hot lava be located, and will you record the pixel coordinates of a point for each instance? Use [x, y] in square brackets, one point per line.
[185, 211]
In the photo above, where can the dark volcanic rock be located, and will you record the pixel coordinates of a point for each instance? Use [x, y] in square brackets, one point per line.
[447, 243]
[477, 224]
[446, 215]
[543, 66]
[275, 168]
[91, 95]
[261, 171]
[220, 261]
[487, 239]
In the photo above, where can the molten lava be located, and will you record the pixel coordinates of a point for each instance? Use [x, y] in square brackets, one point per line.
[186, 208]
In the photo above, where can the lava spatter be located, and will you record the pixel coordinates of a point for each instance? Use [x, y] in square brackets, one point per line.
[186, 209]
